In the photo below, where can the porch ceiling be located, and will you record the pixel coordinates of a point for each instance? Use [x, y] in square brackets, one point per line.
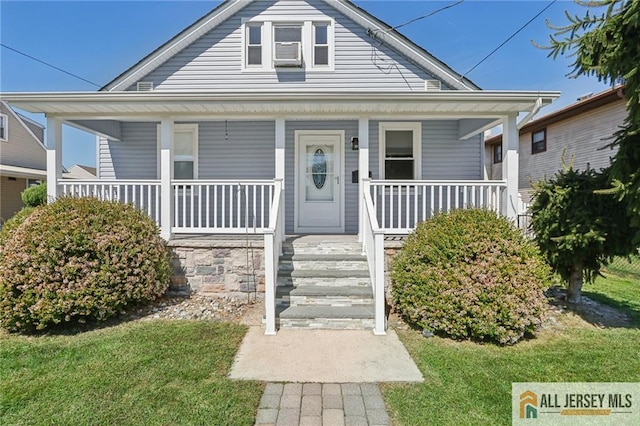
[123, 105]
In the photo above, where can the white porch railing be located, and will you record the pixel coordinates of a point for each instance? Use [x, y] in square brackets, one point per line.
[143, 194]
[273, 237]
[222, 206]
[400, 204]
[373, 247]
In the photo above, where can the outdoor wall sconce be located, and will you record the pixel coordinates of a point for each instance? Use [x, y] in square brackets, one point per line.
[355, 143]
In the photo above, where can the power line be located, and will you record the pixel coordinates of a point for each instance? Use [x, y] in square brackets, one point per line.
[428, 15]
[508, 39]
[49, 65]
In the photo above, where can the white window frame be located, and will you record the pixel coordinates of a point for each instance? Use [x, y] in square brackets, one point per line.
[5, 121]
[268, 40]
[330, 45]
[193, 128]
[245, 45]
[416, 128]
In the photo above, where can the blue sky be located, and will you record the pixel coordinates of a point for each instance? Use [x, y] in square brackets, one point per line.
[98, 40]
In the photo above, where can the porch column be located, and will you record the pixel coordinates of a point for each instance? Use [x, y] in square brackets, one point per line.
[363, 169]
[280, 169]
[166, 173]
[510, 142]
[54, 156]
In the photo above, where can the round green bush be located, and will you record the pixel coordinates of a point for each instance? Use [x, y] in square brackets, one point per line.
[79, 259]
[470, 274]
[35, 196]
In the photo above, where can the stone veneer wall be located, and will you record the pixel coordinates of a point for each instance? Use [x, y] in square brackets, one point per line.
[215, 266]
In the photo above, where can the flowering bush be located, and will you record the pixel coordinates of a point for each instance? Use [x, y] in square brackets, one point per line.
[79, 259]
[470, 274]
[13, 223]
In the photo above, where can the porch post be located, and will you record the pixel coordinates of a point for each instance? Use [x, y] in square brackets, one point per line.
[166, 173]
[510, 142]
[54, 156]
[280, 169]
[363, 170]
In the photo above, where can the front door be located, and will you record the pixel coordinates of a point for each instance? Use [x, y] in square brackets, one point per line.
[319, 182]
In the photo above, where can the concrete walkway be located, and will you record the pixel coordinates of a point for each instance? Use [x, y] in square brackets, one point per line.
[315, 404]
[323, 356]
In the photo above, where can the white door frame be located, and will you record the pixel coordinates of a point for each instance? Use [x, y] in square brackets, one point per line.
[340, 173]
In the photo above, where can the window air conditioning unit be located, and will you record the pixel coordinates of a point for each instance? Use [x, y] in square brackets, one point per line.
[287, 54]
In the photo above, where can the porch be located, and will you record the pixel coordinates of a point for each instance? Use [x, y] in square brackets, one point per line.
[229, 235]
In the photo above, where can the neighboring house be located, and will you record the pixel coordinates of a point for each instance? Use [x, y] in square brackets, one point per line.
[78, 171]
[288, 117]
[22, 158]
[577, 134]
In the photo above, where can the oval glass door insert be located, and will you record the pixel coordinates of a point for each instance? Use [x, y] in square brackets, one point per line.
[319, 168]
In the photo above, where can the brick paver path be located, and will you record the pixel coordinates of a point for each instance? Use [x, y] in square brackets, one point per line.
[322, 404]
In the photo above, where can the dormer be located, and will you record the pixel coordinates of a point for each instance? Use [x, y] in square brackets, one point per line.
[288, 44]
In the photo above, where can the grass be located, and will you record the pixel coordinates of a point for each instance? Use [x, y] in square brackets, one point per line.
[141, 373]
[470, 384]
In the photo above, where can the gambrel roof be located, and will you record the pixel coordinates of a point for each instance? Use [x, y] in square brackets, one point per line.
[376, 28]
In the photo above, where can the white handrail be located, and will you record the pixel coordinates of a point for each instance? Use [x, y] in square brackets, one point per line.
[401, 204]
[373, 247]
[273, 236]
[143, 194]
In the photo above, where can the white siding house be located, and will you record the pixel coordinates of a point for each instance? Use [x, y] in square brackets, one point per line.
[577, 134]
[290, 117]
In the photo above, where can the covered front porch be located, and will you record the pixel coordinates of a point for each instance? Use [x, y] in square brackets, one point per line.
[270, 208]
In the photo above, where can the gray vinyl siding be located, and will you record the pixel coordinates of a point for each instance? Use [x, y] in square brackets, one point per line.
[246, 153]
[215, 60]
[444, 155]
[350, 129]
[20, 149]
[135, 157]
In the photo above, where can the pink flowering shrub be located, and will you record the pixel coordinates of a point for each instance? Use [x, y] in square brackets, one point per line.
[79, 259]
[470, 274]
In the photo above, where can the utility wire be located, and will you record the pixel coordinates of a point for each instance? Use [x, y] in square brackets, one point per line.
[49, 65]
[419, 18]
[508, 39]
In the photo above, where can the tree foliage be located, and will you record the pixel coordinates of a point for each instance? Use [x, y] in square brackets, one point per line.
[607, 45]
[578, 226]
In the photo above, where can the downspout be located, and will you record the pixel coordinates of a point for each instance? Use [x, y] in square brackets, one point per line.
[534, 111]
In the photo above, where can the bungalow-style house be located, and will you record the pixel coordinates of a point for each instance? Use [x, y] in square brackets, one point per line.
[22, 158]
[282, 118]
[576, 134]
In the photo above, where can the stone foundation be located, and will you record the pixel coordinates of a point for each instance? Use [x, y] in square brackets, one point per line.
[212, 266]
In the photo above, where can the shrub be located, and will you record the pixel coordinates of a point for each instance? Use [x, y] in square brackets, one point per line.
[470, 274]
[79, 259]
[35, 196]
[13, 223]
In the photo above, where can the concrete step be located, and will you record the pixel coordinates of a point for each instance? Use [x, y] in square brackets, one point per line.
[285, 279]
[324, 296]
[334, 262]
[328, 317]
[322, 248]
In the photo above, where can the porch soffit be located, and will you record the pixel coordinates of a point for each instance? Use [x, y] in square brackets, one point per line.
[124, 105]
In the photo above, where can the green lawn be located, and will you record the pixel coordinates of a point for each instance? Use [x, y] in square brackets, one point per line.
[141, 373]
[618, 288]
[470, 384]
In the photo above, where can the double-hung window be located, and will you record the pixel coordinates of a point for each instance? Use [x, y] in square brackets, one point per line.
[4, 127]
[321, 44]
[254, 45]
[400, 147]
[185, 151]
[539, 141]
